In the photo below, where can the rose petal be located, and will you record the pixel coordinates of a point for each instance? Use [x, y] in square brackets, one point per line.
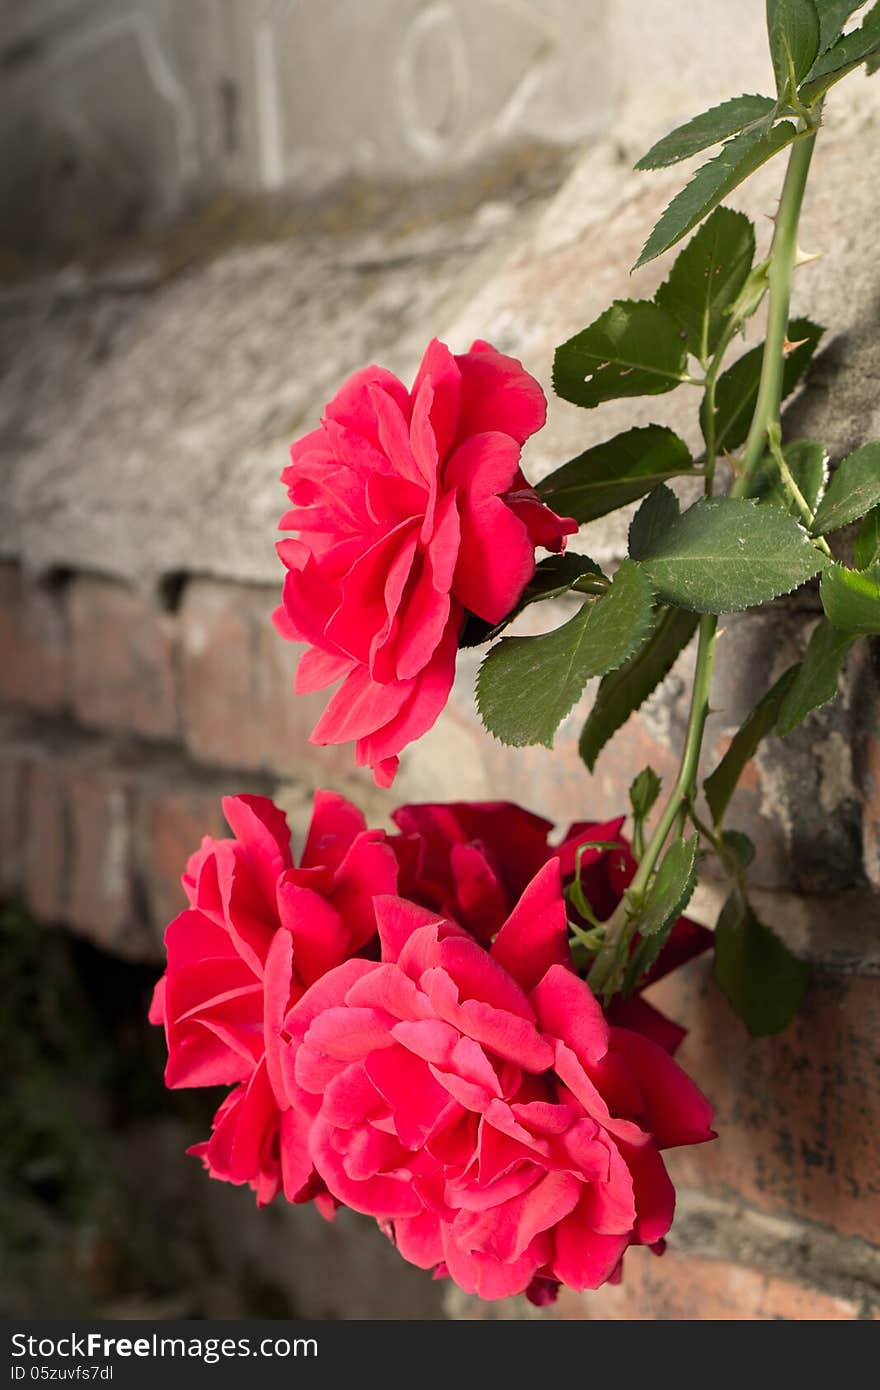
[535, 935]
[582, 1258]
[675, 1108]
[497, 393]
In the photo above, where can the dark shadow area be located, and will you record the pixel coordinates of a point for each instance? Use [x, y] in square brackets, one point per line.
[102, 1213]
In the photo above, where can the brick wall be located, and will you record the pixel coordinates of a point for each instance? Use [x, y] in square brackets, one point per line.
[124, 716]
[122, 725]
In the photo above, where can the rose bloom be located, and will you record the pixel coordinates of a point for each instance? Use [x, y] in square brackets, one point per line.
[479, 1104]
[471, 861]
[410, 509]
[258, 932]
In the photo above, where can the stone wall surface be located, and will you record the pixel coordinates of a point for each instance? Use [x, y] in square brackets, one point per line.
[145, 416]
[115, 110]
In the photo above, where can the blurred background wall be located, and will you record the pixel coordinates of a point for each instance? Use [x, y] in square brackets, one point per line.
[119, 112]
[211, 212]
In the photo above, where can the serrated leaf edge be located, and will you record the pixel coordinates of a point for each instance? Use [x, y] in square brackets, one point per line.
[643, 168]
[821, 566]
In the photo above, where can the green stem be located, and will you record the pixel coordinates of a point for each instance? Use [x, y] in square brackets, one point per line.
[709, 401]
[783, 254]
[639, 838]
[791, 487]
[605, 974]
[611, 956]
[709, 833]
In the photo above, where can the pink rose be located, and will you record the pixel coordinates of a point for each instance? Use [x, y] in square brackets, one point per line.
[258, 933]
[411, 508]
[481, 1107]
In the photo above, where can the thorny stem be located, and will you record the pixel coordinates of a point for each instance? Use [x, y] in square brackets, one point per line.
[606, 970]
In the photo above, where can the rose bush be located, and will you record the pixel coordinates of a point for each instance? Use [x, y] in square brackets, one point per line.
[410, 509]
[481, 1107]
[411, 1023]
[258, 932]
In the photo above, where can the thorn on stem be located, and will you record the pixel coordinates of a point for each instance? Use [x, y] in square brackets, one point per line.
[806, 257]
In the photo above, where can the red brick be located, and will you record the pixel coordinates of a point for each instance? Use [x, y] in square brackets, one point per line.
[123, 660]
[239, 706]
[46, 848]
[78, 853]
[682, 1287]
[33, 643]
[170, 821]
[797, 1114]
[100, 899]
[13, 780]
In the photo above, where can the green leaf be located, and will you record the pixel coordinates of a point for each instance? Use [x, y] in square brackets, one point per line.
[724, 554]
[737, 159]
[738, 848]
[866, 547]
[721, 785]
[527, 685]
[623, 691]
[854, 489]
[633, 349]
[816, 678]
[793, 29]
[764, 983]
[644, 792]
[737, 389]
[553, 577]
[658, 514]
[844, 55]
[851, 598]
[668, 896]
[833, 14]
[707, 278]
[672, 887]
[619, 471]
[706, 130]
[808, 464]
[646, 951]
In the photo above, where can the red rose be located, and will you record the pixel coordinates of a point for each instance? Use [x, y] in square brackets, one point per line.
[479, 1105]
[469, 860]
[411, 508]
[259, 931]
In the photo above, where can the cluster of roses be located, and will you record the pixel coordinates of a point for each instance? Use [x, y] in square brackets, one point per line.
[405, 1034]
[398, 1015]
